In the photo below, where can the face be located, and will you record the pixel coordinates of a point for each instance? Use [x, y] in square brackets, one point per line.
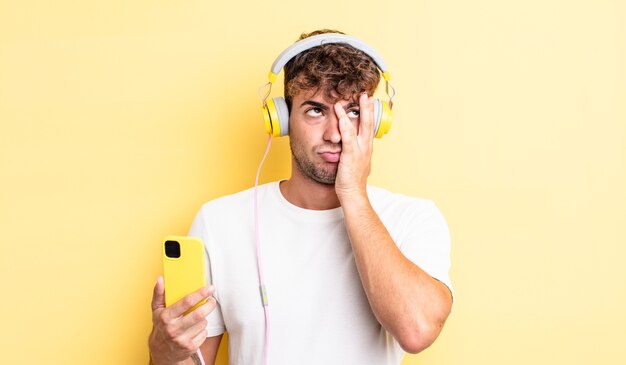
[314, 135]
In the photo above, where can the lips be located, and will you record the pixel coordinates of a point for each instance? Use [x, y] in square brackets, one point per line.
[330, 156]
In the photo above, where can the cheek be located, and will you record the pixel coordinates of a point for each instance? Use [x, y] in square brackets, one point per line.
[300, 137]
[305, 131]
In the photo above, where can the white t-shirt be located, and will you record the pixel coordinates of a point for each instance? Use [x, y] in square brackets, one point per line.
[318, 311]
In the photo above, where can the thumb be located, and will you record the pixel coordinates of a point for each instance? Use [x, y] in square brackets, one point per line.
[158, 297]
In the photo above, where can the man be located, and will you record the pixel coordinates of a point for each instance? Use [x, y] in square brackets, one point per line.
[355, 274]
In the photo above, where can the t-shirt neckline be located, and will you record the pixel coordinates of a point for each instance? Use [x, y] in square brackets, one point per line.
[297, 212]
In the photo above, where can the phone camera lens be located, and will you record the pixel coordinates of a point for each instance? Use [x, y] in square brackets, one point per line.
[172, 249]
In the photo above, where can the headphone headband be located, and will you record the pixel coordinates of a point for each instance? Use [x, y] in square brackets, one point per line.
[320, 39]
[276, 111]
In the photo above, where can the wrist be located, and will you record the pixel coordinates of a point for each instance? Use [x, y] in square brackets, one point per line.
[157, 358]
[351, 191]
[153, 362]
[353, 197]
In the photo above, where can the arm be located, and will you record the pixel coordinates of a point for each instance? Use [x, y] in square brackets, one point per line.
[408, 303]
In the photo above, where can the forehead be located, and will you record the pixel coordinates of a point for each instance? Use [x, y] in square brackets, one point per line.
[320, 96]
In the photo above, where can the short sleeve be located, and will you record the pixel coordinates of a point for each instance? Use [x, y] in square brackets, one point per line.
[215, 320]
[426, 241]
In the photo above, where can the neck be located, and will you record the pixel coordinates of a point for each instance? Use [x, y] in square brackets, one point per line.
[308, 194]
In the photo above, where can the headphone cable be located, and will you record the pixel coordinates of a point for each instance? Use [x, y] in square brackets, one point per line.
[258, 256]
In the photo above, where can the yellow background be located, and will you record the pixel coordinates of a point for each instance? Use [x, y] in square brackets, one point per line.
[118, 119]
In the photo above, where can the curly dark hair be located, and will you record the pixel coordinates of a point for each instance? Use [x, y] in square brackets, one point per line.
[340, 70]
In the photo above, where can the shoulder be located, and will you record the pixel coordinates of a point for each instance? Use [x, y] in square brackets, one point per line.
[384, 200]
[402, 213]
[234, 202]
[221, 213]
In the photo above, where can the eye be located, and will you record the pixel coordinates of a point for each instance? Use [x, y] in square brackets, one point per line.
[354, 113]
[314, 112]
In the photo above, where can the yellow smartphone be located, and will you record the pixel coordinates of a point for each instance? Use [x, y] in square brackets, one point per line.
[184, 268]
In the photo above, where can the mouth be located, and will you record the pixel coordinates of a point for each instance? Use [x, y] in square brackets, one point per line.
[330, 156]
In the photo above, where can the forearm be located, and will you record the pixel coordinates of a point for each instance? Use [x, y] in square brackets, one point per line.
[408, 302]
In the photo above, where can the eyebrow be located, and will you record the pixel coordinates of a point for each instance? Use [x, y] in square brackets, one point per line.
[314, 104]
[324, 107]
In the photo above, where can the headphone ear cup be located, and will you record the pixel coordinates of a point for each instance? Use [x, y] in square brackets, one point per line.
[268, 110]
[283, 115]
[382, 118]
[276, 116]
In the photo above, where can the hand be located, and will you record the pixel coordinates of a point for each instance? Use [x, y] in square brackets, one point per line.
[176, 336]
[356, 149]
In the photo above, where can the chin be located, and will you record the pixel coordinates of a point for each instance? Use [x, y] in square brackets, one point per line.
[323, 179]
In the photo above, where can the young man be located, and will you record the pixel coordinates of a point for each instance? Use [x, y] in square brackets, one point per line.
[354, 274]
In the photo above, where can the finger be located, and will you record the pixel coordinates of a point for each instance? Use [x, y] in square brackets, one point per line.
[190, 340]
[179, 308]
[347, 130]
[366, 118]
[191, 344]
[158, 296]
[341, 113]
[199, 339]
[373, 118]
[199, 314]
[185, 328]
[197, 328]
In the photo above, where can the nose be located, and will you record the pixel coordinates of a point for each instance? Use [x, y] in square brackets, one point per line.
[331, 133]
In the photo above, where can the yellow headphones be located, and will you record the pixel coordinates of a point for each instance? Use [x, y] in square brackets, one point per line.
[275, 110]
